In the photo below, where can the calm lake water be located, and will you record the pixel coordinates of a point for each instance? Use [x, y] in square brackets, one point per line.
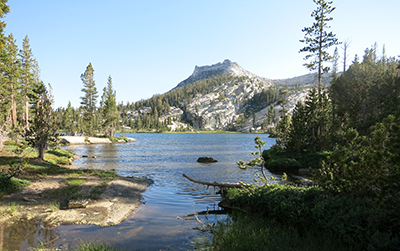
[165, 221]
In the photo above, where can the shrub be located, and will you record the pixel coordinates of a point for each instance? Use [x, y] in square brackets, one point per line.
[359, 221]
[11, 185]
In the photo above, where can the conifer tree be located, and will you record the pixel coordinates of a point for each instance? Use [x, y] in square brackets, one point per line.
[43, 125]
[88, 103]
[11, 73]
[318, 40]
[4, 97]
[68, 119]
[109, 109]
[335, 63]
[27, 76]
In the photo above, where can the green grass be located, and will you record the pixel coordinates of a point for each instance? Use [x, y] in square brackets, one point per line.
[94, 247]
[54, 206]
[82, 247]
[11, 209]
[12, 185]
[247, 232]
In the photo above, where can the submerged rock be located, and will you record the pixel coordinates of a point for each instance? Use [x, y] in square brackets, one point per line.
[206, 159]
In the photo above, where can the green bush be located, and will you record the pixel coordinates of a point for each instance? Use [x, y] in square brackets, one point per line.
[282, 160]
[278, 161]
[11, 185]
[357, 220]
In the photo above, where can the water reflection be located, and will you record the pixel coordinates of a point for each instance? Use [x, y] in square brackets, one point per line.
[27, 233]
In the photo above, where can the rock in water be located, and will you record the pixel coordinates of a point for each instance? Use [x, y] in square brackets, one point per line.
[206, 160]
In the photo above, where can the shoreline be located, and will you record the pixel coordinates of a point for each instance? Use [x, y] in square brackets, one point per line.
[65, 195]
[84, 140]
[118, 200]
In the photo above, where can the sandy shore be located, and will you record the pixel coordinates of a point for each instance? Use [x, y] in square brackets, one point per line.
[113, 205]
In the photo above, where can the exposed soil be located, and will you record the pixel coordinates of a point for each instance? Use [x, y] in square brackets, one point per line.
[103, 201]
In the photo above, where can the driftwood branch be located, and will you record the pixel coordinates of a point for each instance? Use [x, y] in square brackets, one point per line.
[217, 184]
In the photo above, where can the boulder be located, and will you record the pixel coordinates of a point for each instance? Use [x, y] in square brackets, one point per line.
[73, 140]
[206, 159]
[94, 140]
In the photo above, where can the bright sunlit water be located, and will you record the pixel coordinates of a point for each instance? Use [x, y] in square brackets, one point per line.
[165, 221]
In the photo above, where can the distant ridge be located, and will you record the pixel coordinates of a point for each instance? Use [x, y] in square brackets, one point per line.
[227, 67]
[307, 79]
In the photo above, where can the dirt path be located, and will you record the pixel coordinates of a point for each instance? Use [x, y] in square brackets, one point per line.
[103, 202]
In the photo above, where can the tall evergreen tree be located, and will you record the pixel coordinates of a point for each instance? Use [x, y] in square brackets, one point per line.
[43, 125]
[11, 73]
[27, 76]
[283, 124]
[88, 103]
[68, 119]
[335, 63]
[109, 109]
[318, 40]
[311, 124]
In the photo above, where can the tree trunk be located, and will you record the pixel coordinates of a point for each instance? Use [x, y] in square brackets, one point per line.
[41, 148]
[13, 111]
[217, 184]
[26, 113]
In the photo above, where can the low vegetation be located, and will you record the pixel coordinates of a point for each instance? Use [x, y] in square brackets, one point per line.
[83, 247]
[54, 163]
[358, 222]
[246, 232]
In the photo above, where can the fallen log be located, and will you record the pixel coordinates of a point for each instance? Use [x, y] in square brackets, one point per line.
[217, 184]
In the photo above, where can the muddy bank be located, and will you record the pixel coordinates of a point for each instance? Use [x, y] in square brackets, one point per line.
[101, 201]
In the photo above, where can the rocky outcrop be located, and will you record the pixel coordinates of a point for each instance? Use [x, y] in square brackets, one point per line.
[221, 107]
[225, 68]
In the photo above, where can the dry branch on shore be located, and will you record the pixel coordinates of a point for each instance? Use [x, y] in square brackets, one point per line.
[217, 184]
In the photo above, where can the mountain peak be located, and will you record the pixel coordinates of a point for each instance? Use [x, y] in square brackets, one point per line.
[227, 67]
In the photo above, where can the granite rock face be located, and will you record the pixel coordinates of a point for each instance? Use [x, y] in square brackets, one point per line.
[223, 105]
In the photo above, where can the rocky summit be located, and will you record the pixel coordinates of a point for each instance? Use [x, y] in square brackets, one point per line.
[225, 68]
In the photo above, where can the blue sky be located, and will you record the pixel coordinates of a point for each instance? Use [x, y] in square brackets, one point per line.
[148, 47]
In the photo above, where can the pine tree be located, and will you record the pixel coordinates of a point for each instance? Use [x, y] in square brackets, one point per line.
[311, 124]
[318, 40]
[27, 76]
[88, 103]
[4, 97]
[11, 72]
[282, 126]
[43, 125]
[109, 109]
[335, 63]
[68, 119]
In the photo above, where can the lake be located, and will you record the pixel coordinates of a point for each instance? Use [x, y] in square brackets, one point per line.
[166, 221]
